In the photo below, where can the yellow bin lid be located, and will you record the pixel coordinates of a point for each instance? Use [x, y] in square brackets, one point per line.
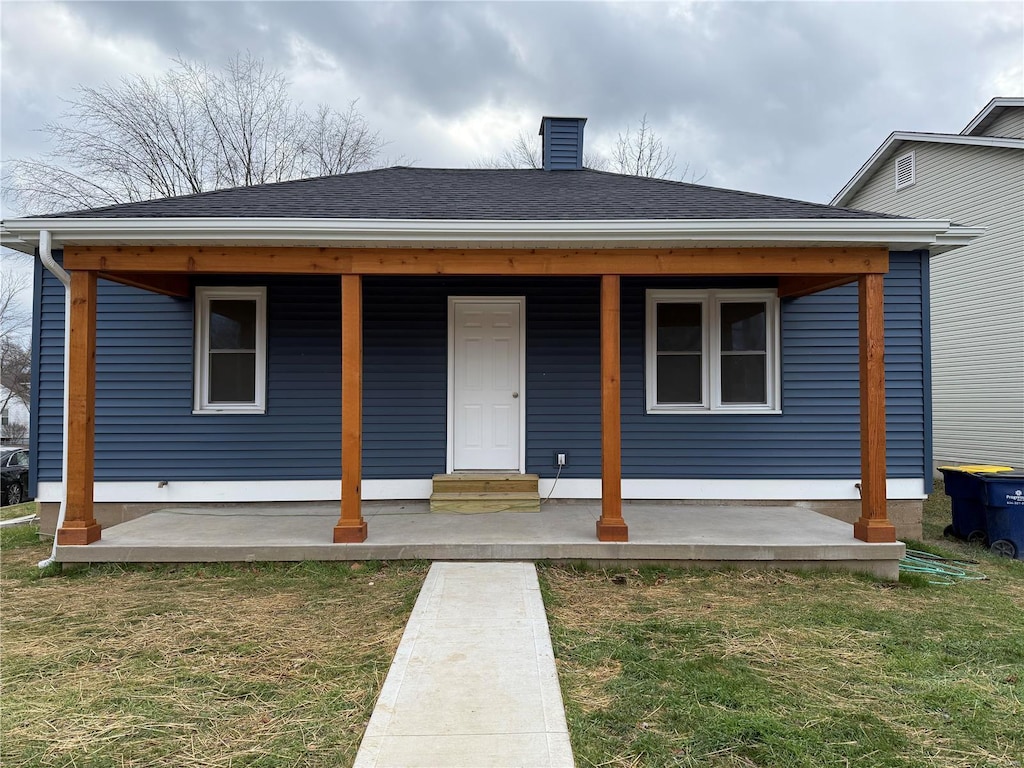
[980, 468]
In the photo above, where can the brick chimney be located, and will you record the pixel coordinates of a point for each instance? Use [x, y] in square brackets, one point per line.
[563, 143]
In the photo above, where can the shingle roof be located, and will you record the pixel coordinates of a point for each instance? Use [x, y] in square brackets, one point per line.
[477, 194]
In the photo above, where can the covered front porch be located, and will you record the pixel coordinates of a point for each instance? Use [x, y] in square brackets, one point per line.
[660, 533]
[796, 271]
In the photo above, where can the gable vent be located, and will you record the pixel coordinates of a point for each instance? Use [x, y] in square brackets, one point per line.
[905, 171]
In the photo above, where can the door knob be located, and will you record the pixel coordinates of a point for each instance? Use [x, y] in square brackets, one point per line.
[515, 395]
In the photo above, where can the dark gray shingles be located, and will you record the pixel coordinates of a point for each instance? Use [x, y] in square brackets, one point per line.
[438, 193]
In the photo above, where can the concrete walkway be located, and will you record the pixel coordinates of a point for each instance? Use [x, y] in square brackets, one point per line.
[473, 683]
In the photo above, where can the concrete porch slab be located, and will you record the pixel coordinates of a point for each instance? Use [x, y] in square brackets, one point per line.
[659, 532]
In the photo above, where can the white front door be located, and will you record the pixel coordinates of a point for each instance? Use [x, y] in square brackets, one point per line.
[485, 397]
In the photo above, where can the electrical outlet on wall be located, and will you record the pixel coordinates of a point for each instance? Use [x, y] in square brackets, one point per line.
[561, 459]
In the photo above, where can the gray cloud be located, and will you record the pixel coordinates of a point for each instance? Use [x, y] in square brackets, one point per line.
[779, 98]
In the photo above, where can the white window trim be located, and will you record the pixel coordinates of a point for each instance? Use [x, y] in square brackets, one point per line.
[710, 301]
[204, 295]
[913, 171]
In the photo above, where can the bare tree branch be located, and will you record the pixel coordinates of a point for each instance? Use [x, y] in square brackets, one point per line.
[643, 153]
[15, 355]
[190, 130]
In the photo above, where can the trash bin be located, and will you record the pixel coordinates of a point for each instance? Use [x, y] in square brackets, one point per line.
[1004, 512]
[964, 486]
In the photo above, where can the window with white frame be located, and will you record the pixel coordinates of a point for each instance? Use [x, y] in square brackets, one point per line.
[231, 350]
[712, 351]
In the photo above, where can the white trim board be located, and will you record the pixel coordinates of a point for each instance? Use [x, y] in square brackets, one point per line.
[271, 491]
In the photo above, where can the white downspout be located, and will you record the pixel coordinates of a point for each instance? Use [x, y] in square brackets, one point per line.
[46, 257]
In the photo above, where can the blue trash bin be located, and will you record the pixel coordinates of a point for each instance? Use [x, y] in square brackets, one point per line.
[964, 486]
[1004, 513]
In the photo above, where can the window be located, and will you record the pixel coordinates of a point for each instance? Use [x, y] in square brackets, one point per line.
[231, 350]
[905, 171]
[712, 351]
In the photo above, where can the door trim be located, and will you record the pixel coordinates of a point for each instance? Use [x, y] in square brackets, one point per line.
[450, 437]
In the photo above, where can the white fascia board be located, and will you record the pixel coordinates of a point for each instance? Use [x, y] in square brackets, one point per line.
[896, 233]
[892, 145]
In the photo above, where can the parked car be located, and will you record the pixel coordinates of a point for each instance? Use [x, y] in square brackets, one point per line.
[14, 468]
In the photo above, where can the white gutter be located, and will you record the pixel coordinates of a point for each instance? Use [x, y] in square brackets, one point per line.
[46, 257]
[896, 233]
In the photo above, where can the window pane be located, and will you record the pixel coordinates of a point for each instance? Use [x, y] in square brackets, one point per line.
[743, 379]
[679, 378]
[233, 377]
[743, 327]
[679, 328]
[232, 324]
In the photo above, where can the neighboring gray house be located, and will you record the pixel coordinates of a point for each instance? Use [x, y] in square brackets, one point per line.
[14, 419]
[975, 177]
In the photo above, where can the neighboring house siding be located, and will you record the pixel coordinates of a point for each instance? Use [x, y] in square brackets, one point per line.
[1009, 124]
[977, 295]
[146, 430]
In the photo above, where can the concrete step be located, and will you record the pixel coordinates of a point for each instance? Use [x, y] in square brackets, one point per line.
[478, 482]
[473, 503]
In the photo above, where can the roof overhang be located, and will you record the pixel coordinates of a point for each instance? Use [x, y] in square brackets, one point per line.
[991, 110]
[895, 142]
[936, 235]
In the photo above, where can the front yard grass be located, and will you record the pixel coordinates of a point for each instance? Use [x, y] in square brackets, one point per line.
[725, 668]
[18, 510]
[219, 665]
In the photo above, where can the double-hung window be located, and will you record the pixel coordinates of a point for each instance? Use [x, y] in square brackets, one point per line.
[231, 350]
[710, 350]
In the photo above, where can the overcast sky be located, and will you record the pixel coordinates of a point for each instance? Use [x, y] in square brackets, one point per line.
[783, 98]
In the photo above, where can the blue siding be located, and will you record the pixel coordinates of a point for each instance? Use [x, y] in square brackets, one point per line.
[146, 429]
[926, 346]
[33, 422]
[563, 143]
[817, 435]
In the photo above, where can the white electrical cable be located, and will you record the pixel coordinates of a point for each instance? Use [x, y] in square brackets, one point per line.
[558, 474]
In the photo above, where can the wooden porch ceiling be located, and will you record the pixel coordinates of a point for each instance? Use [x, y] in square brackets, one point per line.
[165, 269]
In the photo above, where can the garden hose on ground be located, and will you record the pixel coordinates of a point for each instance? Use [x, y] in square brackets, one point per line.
[944, 571]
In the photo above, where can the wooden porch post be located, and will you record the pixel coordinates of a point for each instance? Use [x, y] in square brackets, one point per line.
[611, 526]
[80, 526]
[351, 527]
[874, 525]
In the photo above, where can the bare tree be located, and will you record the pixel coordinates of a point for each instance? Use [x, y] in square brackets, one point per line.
[636, 153]
[643, 153]
[526, 152]
[192, 129]
[15, 354]
[339, 142]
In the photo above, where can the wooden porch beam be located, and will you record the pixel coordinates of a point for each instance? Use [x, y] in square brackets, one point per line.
[611, 526]
[168, 285]
[791, 287]
[80, 526]
[479, 261]
[351, 527]
[874, 525]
